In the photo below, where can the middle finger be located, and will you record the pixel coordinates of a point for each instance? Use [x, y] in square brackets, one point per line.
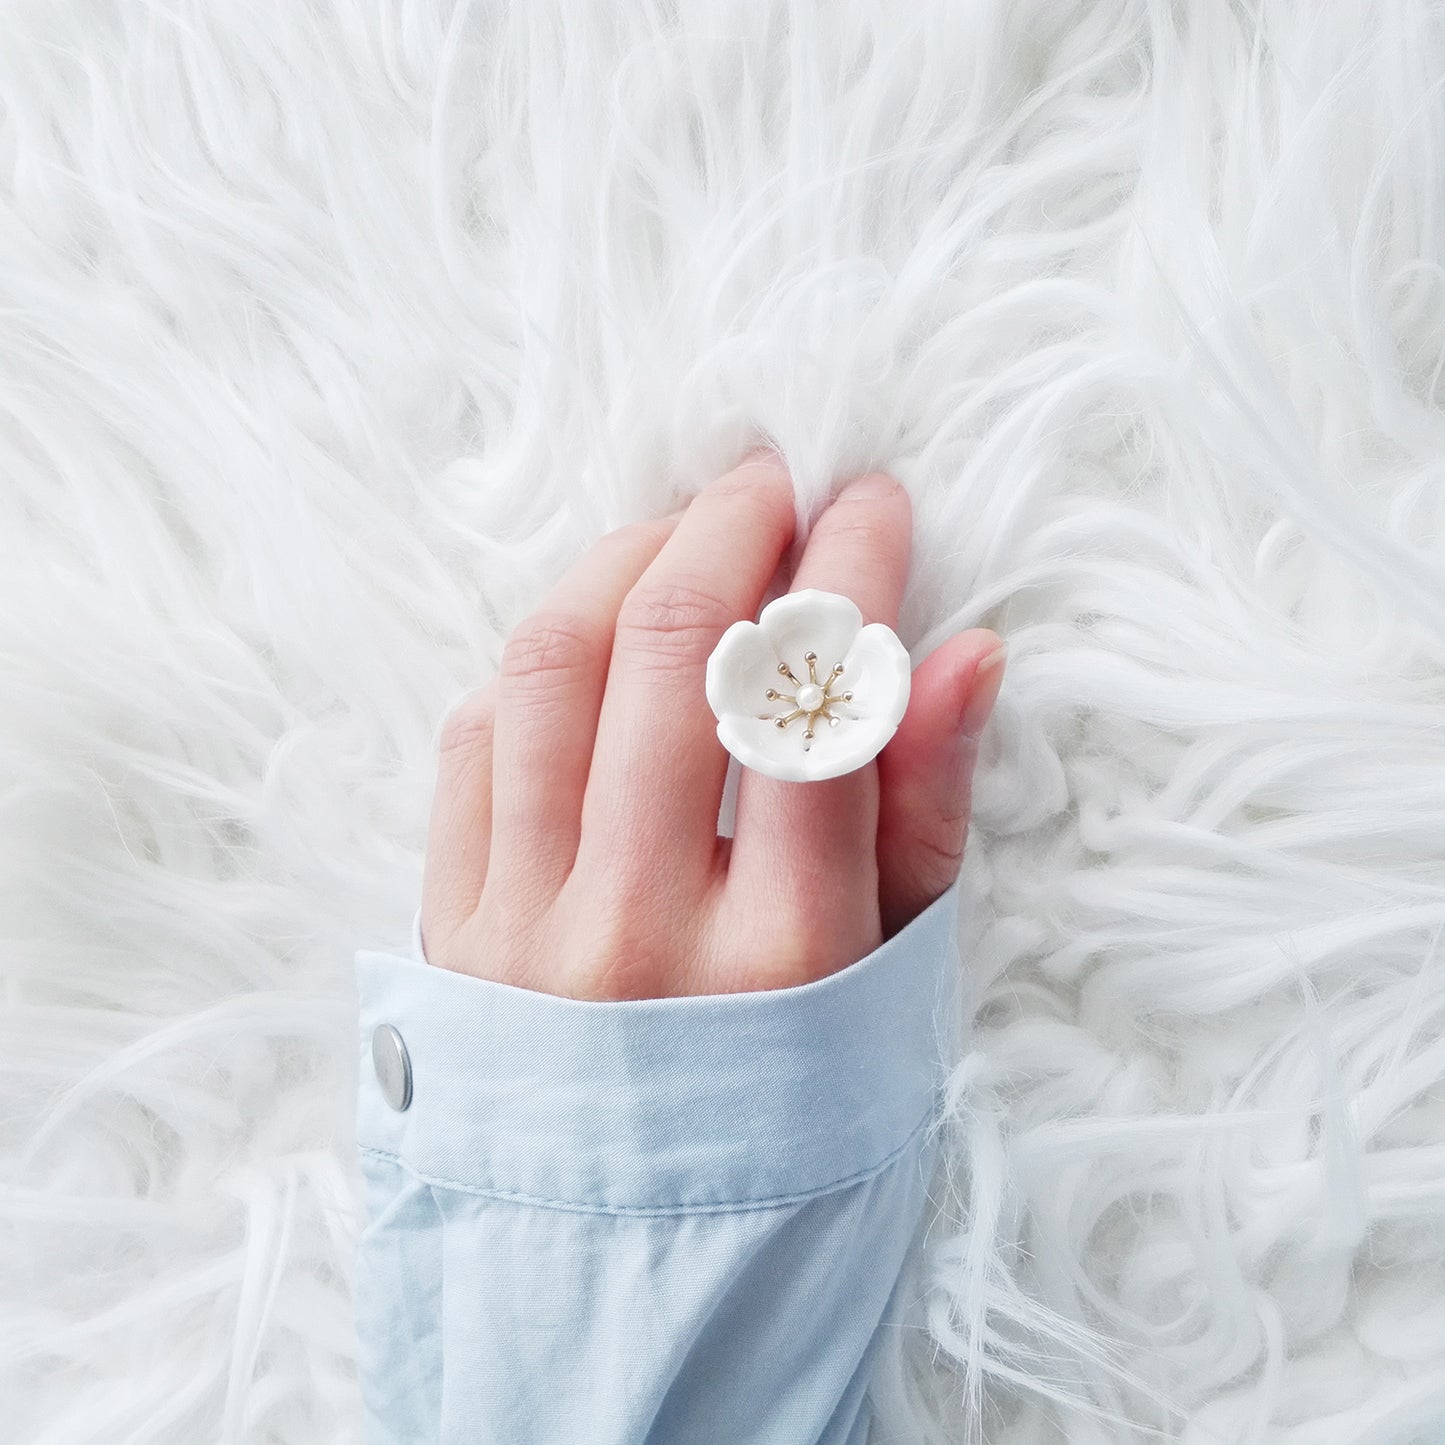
[651, 808]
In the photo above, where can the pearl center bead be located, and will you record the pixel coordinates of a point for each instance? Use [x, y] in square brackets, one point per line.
[810, 697]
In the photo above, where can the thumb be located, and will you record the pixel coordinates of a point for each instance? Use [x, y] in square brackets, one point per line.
[925, 774]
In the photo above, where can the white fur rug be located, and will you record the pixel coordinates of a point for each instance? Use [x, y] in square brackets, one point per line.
[332, 332]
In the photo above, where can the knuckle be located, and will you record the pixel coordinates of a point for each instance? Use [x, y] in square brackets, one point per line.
[622, 962]
[749, 479]
[653, 531]
[467, 728]
[943, 848]
[794, 950]
[546, 649]
[792, 932]
[766, 487]
[636, 929]
[671, 621]
[607, 974]
[855, 526]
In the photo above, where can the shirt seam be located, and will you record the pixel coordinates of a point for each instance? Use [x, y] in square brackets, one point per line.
[725, 1206]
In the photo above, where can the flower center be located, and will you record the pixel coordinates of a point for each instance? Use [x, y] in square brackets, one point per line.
[811, 700]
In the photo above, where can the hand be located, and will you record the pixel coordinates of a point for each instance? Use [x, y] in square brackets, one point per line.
[573, 845]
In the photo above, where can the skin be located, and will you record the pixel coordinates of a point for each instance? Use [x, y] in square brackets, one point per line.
[573, 844]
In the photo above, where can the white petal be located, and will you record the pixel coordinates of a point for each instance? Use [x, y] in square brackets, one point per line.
[744, 665]
[811, 621]
[741, 669]
[778, 752]
[879, 674]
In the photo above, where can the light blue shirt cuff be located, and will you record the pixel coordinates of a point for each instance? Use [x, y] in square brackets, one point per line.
[708, 1102]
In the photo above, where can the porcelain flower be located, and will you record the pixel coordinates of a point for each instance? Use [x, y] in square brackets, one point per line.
[807, 691]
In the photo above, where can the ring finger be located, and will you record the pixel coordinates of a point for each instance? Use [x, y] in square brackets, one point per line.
[811, 848]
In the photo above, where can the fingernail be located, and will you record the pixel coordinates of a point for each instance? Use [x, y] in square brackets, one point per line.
[983, 692]
[874, 485]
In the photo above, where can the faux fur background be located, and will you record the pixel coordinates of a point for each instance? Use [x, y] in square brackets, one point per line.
[330, 333]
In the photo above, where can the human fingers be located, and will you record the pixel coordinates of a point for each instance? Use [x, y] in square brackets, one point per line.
[925, 774]
[810, 848]
[459, 830]
[551, 683]
[651, 807]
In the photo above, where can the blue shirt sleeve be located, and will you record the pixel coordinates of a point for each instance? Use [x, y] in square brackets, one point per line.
[649, 1221]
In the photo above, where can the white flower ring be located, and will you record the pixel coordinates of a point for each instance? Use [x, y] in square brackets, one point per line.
[807, 691]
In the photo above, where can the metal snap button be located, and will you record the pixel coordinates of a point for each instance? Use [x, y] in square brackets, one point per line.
[393, 1067]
